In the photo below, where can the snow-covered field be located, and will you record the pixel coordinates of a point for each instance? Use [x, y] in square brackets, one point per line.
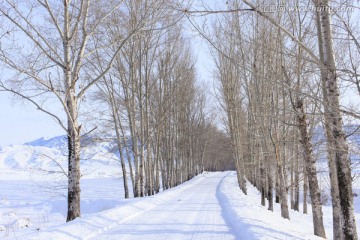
[33, 186]
[210, 206]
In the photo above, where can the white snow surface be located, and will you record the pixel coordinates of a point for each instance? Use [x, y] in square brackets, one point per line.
[210, 206]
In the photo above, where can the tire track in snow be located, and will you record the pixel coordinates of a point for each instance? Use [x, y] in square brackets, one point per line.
[226, 211]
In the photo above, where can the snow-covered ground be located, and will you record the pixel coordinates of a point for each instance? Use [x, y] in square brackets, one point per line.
[254, 222]
[210, 206]
[33, 186]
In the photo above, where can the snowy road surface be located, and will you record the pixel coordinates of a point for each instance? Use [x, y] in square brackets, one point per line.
[194, 214]
[189, 211]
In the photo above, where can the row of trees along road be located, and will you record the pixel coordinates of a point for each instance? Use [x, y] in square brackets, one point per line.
[278, 81]
[131, 59]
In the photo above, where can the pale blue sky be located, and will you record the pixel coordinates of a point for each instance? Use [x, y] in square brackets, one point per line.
[21, 123]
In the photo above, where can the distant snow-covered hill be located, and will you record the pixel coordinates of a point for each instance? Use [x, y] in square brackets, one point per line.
[48, 156]
[59, 142]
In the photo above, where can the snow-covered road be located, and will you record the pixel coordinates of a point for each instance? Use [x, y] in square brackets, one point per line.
[194, 214]
[210, 206]
[189, 211]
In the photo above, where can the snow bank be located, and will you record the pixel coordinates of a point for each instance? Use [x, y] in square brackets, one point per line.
[249, 220]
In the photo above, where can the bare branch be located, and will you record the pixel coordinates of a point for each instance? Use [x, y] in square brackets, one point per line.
[34, 103]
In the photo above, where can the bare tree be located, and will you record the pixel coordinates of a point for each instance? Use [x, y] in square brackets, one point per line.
[47, 55]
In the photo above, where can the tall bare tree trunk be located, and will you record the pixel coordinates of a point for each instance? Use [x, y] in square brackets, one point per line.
[262, 182]
[340, 145]
[305, 189]
[311, 172]
[120, 147]
[73, 162]
[335, 197]
[282, 188]
[297, 178]
[270, 194]
[73, 175]
[73, 128]
[292, 184]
